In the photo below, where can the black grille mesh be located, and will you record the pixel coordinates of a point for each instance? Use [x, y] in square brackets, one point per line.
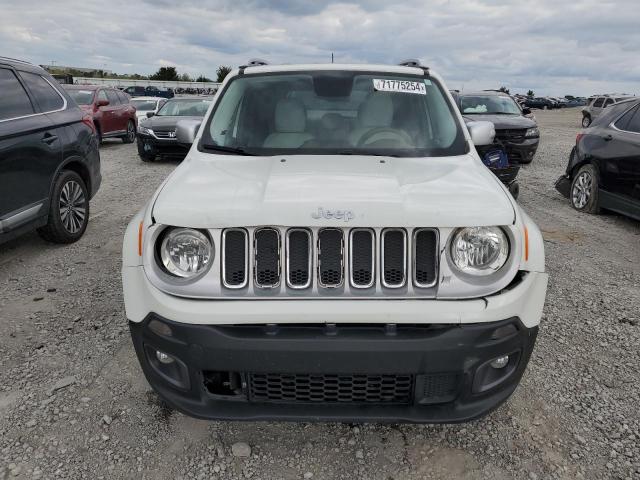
[426, 251]
[440, 387]
[267, 257]
[394, 257]
[299, 251]
[331, 388]
[235, 257]
[362, 257]
[330, 252]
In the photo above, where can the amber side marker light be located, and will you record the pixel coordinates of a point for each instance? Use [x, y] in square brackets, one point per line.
[140, 239]
[526, 245]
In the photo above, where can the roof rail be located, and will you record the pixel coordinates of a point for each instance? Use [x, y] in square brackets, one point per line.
[414, 62]
[254, 62]
[16, 60]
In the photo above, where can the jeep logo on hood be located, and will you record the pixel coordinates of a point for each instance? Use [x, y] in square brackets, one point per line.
[345, 215]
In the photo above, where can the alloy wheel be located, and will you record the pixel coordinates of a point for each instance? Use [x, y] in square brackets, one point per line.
[131, 132]
[72, 206]
[581, 192]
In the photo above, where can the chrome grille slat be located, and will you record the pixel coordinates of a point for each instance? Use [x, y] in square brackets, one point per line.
[299, 258]
[330, 252]
[266, 259]
[235, 264]
[425, 257]
[394, 258]
[362, 259]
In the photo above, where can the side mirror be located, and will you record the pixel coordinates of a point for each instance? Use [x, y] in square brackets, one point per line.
[102, 103]
[526, 111]
[186, 131]
[150, 114]
[482, 133]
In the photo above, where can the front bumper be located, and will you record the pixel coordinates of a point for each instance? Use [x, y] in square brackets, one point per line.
[406, 373]
[160, 146]
[521, 151]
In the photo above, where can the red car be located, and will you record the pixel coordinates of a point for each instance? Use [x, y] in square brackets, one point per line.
[112, 113]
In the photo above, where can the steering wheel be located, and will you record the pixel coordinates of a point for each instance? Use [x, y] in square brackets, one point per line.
[400, 136]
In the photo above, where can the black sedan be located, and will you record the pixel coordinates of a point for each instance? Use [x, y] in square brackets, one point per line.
[604, 166]
[157, 133]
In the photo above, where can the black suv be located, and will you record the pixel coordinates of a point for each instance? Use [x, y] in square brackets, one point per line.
[604, 166]
[49, 159]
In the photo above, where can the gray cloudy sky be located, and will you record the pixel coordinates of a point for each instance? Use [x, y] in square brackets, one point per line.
[551, 46]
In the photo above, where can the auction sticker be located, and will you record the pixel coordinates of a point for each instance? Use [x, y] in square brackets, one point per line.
[399, 86]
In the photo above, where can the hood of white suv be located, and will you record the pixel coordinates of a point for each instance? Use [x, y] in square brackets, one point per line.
[209, 191]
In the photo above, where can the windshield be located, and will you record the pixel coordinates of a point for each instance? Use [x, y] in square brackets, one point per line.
[144, 105]
[184, 108]
[333, 113]
[82, 97]
[488, 105]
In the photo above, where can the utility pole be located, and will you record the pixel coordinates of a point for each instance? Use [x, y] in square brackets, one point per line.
[331, 57]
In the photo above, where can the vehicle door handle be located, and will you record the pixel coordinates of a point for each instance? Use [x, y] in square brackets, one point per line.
[49, 139]
[607, 137]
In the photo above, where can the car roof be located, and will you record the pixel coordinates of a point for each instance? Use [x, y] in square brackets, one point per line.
[22, 65]
[355, 67]
[148, 98]
[86, 87]
[189, 99]
[491, 93]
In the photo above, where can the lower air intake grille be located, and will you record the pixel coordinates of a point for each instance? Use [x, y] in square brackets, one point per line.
[330, 257]
[328, 388]
[267, 257]
[394, 265]
[425, 257]
[235, 258]
[440, 388]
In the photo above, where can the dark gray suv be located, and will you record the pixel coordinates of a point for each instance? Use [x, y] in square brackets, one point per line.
[49, 159]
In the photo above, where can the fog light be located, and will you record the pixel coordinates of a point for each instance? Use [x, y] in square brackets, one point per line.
[167, 359]
[498, 363]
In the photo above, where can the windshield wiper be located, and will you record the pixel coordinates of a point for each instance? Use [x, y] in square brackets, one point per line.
[232, 150]
[367, 153]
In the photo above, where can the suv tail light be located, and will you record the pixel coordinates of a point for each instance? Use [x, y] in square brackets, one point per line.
[88, 121]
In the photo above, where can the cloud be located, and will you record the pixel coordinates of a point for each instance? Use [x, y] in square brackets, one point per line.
[551, 46]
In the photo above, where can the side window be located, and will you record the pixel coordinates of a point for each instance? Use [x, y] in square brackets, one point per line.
[124, 98]
[623, 121]
[14, 101]
[113, 97]
[599, 101]
[102, 95]
[608, 102]
[45, 95]
[634, 122]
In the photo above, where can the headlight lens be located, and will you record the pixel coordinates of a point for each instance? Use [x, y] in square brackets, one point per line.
[532, 132]
[145, 130]
[479, 251]
[186, 252]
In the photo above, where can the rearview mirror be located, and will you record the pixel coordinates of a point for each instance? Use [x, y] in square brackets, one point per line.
[482, 133]
[186, 131]
[150, 114]
[102, 103]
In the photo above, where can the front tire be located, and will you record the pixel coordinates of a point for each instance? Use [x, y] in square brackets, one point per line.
[130, 137]
[146, 153]
[68, 211]
[584, 190]
[586, 121]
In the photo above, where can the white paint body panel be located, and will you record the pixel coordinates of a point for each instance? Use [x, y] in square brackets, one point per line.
[213, 191]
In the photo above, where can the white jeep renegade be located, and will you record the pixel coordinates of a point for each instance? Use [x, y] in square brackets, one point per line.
[333, 248]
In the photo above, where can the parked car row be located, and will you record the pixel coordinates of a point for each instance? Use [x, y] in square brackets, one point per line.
[151, 91]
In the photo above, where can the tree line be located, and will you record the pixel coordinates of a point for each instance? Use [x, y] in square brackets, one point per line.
[171, 74]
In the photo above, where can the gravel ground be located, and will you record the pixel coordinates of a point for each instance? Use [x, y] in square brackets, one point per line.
[74, 403]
